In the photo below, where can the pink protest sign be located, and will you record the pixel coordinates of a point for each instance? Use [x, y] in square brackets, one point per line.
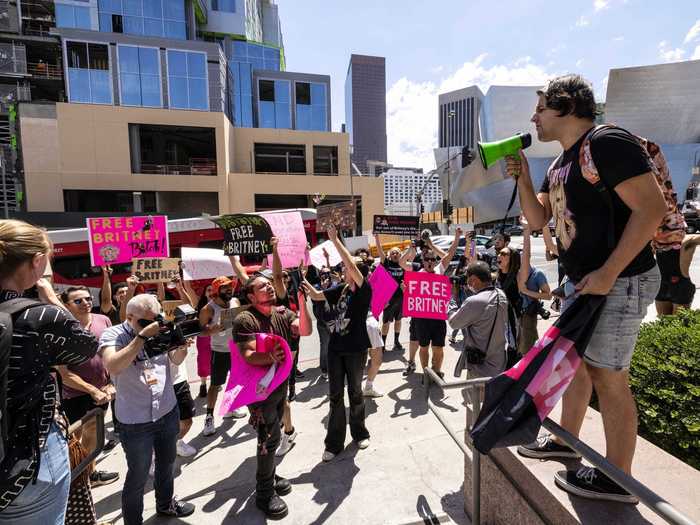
[115, 240]
[251, 384]
[289, 229]
[426, 295]
[383, 287]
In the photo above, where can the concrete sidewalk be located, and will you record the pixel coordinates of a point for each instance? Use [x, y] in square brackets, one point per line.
[411, 473]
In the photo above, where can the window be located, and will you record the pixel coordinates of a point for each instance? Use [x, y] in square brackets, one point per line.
[274, 104]
[139, 76]
[224, 5]
[326, 160]
[172, 150]
[77, 17]
[187, 80]
[143, 17]
[242, 94]
[89, 78]
[280, 158]
[311, 106]
[259, 56]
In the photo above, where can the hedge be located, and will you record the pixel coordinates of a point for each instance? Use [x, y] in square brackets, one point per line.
[665, 378]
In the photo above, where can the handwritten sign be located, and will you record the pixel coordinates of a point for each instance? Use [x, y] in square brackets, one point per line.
[204, 263]
[289, 229]
[169, 308]
[318, 260]
[244, 234]
[115, 240]
[383, 287]
[155, 270]
[402, 226]
[426, 295]
[341, 215]
[251, 384]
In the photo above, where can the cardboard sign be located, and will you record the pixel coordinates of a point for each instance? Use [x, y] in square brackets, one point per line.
[155, 270]
[289, 229]
[204, 263]
[402, 226]
[318, 260]
[229, 314]
[251, 384]
[383, 287]
[341, 215]
[169, 308]
[115, 240]
[244, 234]
[426, 295]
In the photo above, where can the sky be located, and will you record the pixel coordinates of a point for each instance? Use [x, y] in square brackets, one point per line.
[436, 46]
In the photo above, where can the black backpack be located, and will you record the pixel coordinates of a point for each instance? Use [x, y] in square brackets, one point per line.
[8, 310]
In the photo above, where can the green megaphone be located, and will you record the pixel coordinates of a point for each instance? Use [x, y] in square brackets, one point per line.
[492, 152]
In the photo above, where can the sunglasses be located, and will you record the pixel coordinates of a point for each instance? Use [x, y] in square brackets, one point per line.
[80, 300]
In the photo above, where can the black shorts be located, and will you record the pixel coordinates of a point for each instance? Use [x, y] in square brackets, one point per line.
[675, 288]
[185, 403]
[431, 332]
[412, 331]
[220, 366]
[394, 310]
[76, 407]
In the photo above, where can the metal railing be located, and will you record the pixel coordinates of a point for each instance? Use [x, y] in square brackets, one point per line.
[45, 70]
[99, 415]
[475, 386]
[179, 169]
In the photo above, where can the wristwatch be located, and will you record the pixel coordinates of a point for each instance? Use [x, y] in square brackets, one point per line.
[142, 337]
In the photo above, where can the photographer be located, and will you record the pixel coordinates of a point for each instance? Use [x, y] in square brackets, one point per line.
[146, 407]
[482, 317]
[34, 470]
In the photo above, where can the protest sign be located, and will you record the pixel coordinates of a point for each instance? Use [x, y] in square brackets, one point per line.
[356, 243]
[204, 263]
[251, 384]
[115, 240]
[229, 314]
[316, 255]
[169, 308]
[402, 226]
[426, 295]
[155, 270]
[340, 215]
[383, 287]
[289, 230]
[244, 234]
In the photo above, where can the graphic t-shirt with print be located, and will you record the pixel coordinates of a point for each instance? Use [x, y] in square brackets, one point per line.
[580, 213]
[396, 271]
[348, 324]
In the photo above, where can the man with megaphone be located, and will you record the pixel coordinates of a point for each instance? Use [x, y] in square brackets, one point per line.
[604, 223]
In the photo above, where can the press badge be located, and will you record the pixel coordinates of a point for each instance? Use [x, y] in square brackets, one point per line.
[149, 374]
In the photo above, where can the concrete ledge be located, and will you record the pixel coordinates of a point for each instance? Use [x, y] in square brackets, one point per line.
[520, 490]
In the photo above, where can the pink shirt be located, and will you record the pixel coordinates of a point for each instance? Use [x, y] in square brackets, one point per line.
[91, 371]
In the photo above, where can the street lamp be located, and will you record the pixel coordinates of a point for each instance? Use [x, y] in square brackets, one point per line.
[450, 116]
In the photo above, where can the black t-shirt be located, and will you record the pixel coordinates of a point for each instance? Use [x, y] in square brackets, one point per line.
[348, 324]
[396, 272]
[581, 214]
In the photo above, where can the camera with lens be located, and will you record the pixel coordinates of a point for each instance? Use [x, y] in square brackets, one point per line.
[460, 280]
[172, 334]
[542, 311]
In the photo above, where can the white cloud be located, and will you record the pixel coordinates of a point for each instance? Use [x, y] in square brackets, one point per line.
[668, 54]
[619, 38]
[436, 69]
[579, 63]
[583, 21]
[693, 33]
[412, 107]
[599, 5]
[696, 54]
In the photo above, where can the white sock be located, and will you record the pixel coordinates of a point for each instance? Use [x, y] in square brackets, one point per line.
[368, 385]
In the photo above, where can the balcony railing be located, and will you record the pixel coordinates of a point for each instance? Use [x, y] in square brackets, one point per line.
[13, 59]
[45, 70]
[195, 167]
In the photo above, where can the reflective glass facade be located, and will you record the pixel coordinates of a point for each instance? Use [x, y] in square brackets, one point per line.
[228, 6]
[242, 94]
[187, 80]
[259, 56]
[77, 17]
[274, 108]
[311, 106]
[139, 76]
[164, 18]
[89, 76]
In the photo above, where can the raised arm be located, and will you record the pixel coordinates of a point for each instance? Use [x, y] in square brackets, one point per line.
[131, 284]
[160, 290]
[408, 254]
[185, 287]
[238, 269]
[524, 270]
[305, 328]
[350, 265]
[453, 249]
[106, 290]
[438, 251]
[380, 250]
[277, 281]
[535, 207]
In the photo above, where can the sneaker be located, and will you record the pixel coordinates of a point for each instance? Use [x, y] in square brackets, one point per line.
[202, 390]
[363, 444]
[184, 450]
[410, 368]
[371, 392]
[324, 375]
[177, 509]
[286, 443]
[545, 447]
[209, 429]
[239, 413]
[292, 393]
[328, 456]
[591, 483]
[101, 477]
[397, 347]
[282, 486]
[299, 374]
[109, 445]
[274, 508]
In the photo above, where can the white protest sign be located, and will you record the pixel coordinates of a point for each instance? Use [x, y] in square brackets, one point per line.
[204, 263]
[317, 258]
[356, 243]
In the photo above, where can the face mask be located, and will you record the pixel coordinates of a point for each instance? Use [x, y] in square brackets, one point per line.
[225, 296]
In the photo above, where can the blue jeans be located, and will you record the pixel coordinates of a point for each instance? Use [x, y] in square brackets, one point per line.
[44, 501]
[139, 441]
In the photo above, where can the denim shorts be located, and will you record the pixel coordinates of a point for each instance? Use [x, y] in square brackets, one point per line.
[615, 336]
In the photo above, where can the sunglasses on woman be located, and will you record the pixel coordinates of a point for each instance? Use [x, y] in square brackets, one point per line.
[80, 300]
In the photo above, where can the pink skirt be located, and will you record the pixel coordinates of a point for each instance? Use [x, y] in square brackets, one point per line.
[203, 356]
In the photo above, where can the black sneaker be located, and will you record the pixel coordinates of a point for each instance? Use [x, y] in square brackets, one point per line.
[397, 347]
[177, 509]
[274, 508]
[591, 483]
[100, 477]
[410, 368]
[202, 390]
[282, 486]
[545, 448]
[299, 374]
[292, 393]
[109, 445]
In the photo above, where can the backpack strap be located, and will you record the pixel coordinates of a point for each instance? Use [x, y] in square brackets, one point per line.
[17, 305]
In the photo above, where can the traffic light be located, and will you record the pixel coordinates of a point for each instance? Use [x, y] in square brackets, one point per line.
[450, 209]
[422, 208]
